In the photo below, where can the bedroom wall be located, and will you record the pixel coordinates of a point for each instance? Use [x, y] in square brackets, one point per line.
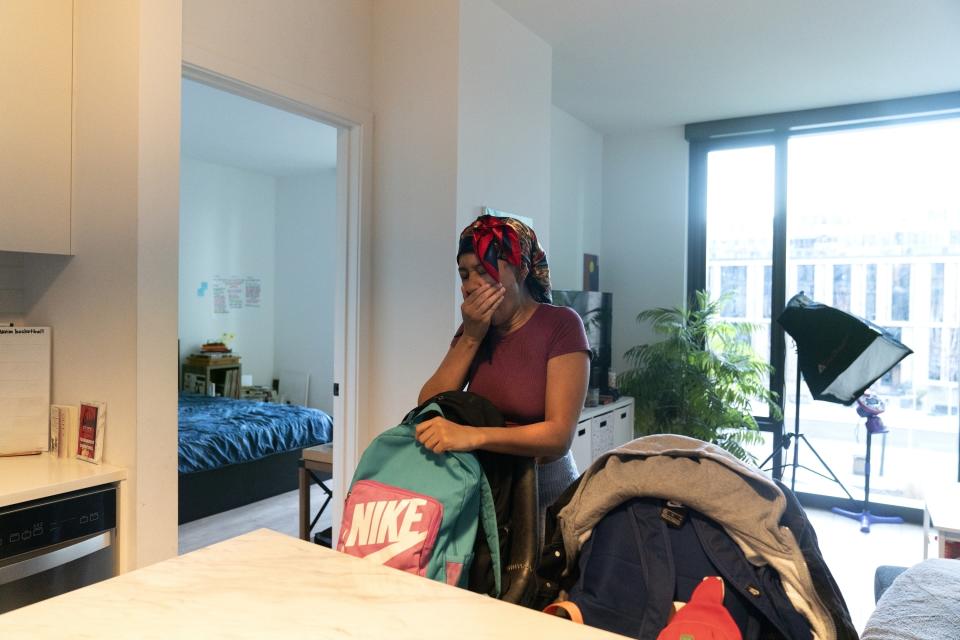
[576, 199]
[305, 264]
[643, 261]
[227, 229]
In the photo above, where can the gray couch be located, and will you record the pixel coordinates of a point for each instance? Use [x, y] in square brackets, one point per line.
[922, 603]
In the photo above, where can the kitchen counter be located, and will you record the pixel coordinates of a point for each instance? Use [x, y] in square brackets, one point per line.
[268, 585]
[24, 478]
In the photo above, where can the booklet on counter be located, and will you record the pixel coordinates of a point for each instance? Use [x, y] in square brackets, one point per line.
[93, 423]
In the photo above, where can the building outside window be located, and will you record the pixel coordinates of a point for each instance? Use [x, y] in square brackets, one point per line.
[864, 216]
[733, 281]
[841, 286]
[767, 290]
[805, 280]
[870, 309]
[936, 292]
[900, 302]
[933, 366]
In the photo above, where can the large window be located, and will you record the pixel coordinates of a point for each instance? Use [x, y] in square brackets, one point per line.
[859, 208]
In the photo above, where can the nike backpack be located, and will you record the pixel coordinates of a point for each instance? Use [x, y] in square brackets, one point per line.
[419, 511]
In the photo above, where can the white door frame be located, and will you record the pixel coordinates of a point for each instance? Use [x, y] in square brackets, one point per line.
[354, 197]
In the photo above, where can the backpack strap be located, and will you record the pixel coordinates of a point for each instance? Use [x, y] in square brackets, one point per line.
[565, 609]
[488, 522]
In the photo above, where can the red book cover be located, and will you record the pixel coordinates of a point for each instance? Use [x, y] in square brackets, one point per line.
[90, 437]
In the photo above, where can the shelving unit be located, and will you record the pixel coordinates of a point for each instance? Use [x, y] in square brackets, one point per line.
[224, 373]
[600, 429]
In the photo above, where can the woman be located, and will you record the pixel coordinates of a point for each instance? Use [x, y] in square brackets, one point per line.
[526, 356]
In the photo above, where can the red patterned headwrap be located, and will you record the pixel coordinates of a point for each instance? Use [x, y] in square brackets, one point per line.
[492, 238]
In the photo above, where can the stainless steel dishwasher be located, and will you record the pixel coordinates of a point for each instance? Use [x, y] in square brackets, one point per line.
[57, 544]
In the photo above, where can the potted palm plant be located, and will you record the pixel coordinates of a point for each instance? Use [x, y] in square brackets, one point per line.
[701, 380]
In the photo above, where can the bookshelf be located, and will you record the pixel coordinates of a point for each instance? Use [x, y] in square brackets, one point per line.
[224, 373]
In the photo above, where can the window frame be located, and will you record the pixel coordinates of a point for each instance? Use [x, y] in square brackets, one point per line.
[776, 130]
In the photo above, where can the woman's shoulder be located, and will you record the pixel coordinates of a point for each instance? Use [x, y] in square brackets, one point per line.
[559, 312]
[560, 315]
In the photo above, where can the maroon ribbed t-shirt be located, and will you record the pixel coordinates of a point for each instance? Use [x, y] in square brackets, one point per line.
[515, 379]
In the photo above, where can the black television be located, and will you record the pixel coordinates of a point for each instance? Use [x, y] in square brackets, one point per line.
[595, 308]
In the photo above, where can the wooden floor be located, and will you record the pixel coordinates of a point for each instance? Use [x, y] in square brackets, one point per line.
[280, 513]
[851, 555]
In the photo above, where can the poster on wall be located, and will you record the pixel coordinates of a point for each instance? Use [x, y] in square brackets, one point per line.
[234, 292]
[231, 293]
[591, 272]
[219, 296]
[252, 292]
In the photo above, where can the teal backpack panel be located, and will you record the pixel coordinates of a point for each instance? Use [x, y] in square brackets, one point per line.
[416, 510]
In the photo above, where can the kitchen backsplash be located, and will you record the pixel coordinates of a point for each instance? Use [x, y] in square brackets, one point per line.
[11, 285]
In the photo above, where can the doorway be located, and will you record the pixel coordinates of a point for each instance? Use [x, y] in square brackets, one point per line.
[306, 151]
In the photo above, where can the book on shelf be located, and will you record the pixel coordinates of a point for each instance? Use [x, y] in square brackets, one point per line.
[93, 424]
[64, 429]
[231, 383]
[195, 383]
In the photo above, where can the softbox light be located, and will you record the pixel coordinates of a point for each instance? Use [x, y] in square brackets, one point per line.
[839, 354]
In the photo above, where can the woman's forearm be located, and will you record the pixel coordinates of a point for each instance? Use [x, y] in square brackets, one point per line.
[537, 440]
[451, 375]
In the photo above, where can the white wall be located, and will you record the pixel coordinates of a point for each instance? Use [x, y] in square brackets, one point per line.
[304, 276]
[576, 199]
[503, 144]
[643, 261]
[113, 305]
[227, 223]
[325, 45]
[415, 197]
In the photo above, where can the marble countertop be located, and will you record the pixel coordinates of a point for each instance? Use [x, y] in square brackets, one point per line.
[267, 585]
[24, 478]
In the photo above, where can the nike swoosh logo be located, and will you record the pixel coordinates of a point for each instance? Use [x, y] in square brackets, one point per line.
[384, 555]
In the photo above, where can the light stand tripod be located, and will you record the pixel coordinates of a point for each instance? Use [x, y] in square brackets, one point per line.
[869, 407]
[796, 436]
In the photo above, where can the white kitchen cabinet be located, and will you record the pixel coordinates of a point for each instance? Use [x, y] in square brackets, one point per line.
[36, 81]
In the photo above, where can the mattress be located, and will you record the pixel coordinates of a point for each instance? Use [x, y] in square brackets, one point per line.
[216, 432]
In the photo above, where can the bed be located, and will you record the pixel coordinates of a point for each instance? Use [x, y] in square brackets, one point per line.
[234, 452]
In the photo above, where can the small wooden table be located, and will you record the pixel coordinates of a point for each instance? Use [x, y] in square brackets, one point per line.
[316, 461]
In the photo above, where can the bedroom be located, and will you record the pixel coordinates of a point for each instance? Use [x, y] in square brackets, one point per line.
[257, 272]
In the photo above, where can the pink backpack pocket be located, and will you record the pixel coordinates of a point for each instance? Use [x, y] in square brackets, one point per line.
[390, 526]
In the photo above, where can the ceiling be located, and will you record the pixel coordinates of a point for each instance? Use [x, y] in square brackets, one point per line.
[226, 129]
[629, 65]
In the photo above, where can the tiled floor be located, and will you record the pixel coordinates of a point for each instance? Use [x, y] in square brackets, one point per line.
[851, 555]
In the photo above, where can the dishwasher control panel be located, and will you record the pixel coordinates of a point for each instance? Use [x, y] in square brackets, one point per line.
[49, 521]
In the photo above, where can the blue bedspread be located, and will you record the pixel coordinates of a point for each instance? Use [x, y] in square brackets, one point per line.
[216, 432]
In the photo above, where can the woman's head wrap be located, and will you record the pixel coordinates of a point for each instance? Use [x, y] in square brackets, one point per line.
[492, 238]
